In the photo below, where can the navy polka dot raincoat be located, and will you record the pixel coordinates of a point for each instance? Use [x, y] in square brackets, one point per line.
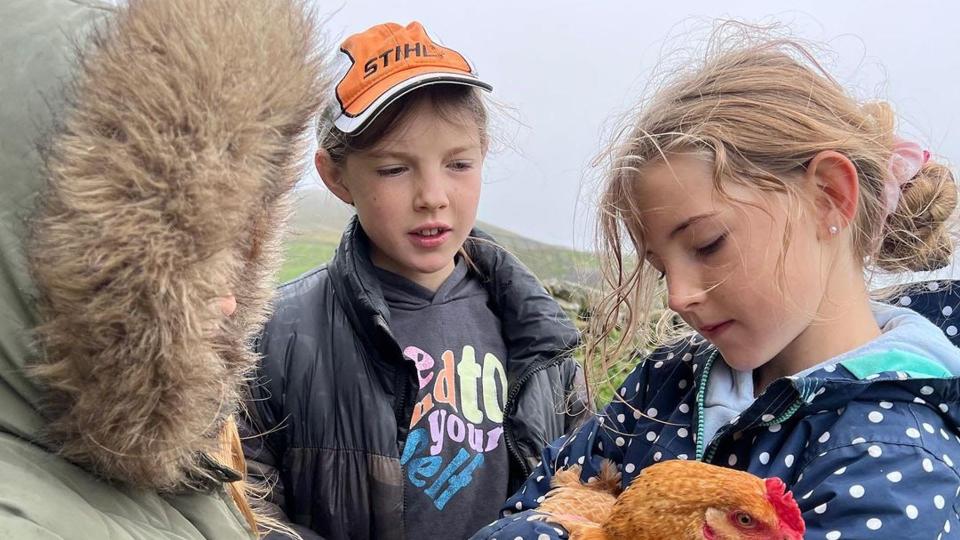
[869, 443]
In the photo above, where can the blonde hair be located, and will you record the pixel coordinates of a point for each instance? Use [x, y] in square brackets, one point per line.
[761, 106]
[244, 494]
[230, 454]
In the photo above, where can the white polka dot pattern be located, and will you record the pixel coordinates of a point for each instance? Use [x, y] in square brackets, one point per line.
[876, 463]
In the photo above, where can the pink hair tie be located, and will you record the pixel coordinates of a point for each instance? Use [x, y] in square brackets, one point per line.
[905, 163]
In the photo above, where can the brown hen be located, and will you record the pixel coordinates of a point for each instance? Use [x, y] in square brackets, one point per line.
[683, 500]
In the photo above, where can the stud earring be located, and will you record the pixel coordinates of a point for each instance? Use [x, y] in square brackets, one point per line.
[834, 229]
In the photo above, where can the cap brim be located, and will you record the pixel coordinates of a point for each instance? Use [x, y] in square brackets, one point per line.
[356, 124]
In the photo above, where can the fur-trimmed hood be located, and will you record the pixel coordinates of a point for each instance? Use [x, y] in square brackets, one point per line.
[164, 186]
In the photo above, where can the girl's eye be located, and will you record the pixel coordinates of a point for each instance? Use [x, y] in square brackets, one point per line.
[661, 274]
[391, 171]
[712, 247]
[461, 165]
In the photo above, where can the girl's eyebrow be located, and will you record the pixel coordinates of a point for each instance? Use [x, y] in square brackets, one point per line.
[686, 223]
[464, 148]
[376, 154]
[690, 221]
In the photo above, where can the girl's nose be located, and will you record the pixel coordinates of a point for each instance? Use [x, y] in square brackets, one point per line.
[684, 291]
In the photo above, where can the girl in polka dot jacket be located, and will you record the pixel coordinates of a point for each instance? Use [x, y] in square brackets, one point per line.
[760, 194]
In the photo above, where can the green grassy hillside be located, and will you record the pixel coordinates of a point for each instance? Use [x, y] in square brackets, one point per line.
[319, 219]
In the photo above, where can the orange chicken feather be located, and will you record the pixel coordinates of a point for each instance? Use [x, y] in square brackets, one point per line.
[683, 500]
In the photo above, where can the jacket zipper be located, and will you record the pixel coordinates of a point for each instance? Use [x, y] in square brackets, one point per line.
[705, 452]
[794, 407]
[508, 436]
[401, 383]
[401, 419]
[701, 399]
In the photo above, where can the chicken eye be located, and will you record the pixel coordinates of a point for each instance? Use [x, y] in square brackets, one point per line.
[744, 519]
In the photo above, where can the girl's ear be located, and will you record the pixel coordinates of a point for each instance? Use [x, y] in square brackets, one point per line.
[332, 176]
[836, 191]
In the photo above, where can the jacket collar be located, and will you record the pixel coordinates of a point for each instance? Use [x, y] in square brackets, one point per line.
[535, 329]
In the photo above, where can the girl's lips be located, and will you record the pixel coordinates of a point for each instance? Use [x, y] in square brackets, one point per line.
[714, 330]
[428, 242]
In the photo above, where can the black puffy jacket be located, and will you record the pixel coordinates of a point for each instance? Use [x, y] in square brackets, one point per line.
[334, 396]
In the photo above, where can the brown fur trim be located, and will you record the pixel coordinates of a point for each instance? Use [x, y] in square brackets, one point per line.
[168, 181]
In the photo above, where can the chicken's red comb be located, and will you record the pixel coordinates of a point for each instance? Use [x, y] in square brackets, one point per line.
[784, 504]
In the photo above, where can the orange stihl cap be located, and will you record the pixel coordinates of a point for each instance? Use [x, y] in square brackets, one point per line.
[382, 64]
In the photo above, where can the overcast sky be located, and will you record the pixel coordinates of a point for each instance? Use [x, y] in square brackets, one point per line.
[569, 70]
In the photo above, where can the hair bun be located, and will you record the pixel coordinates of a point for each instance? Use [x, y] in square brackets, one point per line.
[918, 236]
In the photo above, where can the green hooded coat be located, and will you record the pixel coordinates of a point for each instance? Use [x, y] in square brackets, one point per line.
[146, 153]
